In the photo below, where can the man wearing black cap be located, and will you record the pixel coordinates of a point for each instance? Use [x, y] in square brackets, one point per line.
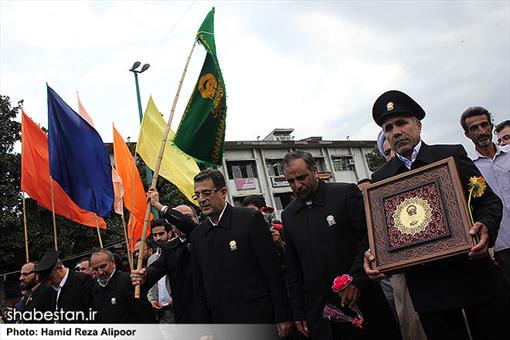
[72, 291]
[441, 290]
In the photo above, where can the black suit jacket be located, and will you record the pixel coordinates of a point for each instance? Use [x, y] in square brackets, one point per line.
[236, 272]
[76, 295]
[327, 238]
[116, 303]
[175, 261]
[39, 300]
[456, 282]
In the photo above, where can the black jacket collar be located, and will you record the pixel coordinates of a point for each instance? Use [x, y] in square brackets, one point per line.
[318, 199]
[224, 222]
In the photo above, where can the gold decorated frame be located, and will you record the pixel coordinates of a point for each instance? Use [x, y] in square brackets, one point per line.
[449, 219]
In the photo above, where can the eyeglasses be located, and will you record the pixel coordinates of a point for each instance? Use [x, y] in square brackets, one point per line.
[205, 193]
[27, 273]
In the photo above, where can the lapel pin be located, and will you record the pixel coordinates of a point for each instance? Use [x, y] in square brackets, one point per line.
[331, 220]
[114, 301]
[233, 245]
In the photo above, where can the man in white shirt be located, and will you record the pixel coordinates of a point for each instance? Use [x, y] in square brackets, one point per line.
[493, 161]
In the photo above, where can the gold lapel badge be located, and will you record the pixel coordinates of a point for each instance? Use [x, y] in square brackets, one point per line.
[114, 301]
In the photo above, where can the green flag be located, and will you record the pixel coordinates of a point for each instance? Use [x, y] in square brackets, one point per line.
[201, 133]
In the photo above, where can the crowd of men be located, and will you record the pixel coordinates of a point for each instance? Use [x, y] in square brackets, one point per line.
[238, 265]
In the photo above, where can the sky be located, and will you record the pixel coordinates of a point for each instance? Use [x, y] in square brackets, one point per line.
[315, 66]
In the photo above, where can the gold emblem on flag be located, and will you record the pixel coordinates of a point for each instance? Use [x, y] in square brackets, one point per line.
[390, 106]
[413, 215]
[207, 85]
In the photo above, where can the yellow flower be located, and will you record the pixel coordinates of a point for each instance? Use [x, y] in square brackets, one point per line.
[477, 186]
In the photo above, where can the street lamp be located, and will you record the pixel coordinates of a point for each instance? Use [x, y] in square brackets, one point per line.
[135, 71]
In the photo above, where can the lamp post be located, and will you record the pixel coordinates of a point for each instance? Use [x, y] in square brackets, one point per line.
[136, 71]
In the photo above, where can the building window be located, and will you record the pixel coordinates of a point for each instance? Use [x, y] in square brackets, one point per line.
[274, 167]
[320, 164]
[343, 163]
[241, 169]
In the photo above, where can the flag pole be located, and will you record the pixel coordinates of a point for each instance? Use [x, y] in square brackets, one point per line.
[53, 213]
[25, 226]
[130, 260]
[25, 229]
[98, 233]
[158, 165]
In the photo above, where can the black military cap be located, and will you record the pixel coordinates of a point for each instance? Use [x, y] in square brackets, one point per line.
[47, 264]
[395, 102]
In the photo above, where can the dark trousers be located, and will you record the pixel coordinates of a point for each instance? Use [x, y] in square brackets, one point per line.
[503, 259]
[487, 321]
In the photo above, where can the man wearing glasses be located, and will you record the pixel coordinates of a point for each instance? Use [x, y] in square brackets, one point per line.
[36, 295]
[236, 273]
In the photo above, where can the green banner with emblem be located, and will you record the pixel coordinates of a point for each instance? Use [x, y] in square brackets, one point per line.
[201, 133]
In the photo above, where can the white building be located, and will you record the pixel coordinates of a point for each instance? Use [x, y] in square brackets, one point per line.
[255, 167]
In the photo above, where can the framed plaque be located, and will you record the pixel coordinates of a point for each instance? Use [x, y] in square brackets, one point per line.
[417, 217]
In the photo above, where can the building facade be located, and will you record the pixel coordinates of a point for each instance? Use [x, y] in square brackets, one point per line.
[255, 167]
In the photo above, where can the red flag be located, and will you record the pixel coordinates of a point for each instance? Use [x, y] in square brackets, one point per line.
[35, 177]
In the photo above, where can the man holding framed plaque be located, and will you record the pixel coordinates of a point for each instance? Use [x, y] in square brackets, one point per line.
[440, 290]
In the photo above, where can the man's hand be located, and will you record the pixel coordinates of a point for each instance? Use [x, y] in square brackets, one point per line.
[368, 263]
[155, 305]
[277, 239]
[350, 296]
[153, 196]
[283, 328]
[481, 248]
[302, 327]
[138, 277]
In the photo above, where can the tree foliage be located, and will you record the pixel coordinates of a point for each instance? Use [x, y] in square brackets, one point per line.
[374, 159]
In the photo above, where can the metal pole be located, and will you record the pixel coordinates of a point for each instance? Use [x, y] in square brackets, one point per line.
[148, 171]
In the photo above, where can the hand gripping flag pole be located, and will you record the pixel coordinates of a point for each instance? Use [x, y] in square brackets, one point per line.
[158, 165]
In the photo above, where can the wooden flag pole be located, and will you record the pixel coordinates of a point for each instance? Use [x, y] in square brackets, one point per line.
[158, 165]
[130, 259]
[98, 233]
[53, 213]
[25, 226]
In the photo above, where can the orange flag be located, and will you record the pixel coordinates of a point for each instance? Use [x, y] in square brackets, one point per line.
[35, 177]
[134, 193]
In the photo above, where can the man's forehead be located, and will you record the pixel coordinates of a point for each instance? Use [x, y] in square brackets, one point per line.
[395, 118]
[158, 229]
[98, 257]
[205, 184]
[477, 120]
[28, 266]
[298, 164]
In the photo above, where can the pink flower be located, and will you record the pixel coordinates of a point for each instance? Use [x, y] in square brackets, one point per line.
[357, 322]
[340, 282]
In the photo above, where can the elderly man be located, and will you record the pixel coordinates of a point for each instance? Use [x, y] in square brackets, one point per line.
[493, 161]
[236, 272]
[440, 290]
[113, 293]
[326, 237]
[72, 291]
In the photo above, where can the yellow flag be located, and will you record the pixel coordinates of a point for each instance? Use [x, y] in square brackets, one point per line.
[176, 167]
